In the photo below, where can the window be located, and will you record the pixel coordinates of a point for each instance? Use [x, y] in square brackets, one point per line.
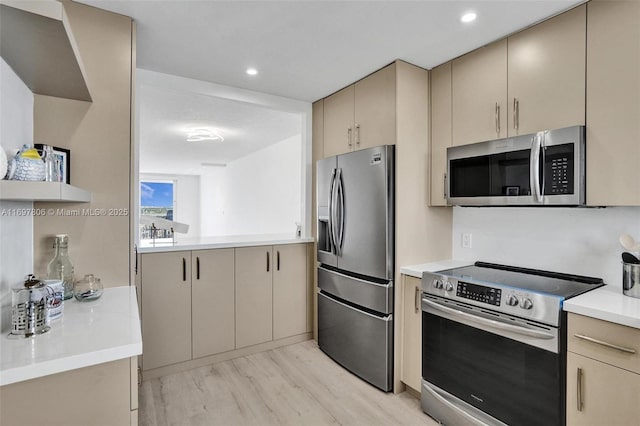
[156, 201]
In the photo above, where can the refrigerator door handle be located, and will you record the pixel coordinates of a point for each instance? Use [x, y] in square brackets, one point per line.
[340, 193]
[332, 243]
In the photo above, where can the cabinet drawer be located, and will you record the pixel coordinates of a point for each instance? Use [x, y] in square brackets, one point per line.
[614, 344]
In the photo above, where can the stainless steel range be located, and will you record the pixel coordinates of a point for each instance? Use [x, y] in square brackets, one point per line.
[494, 344]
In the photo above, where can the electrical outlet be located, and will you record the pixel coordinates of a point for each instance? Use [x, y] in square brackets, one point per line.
[466, 240]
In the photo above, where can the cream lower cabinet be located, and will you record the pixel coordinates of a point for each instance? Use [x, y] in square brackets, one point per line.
[212, 296]
[166, 308]
[411, 368]
[201, 303]
[603, 373]
[254, 295]
[95, 395]
[290, 291]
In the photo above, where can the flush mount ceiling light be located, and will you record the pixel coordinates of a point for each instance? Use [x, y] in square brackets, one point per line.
[252, 71]
[468, 17]
[201, 134]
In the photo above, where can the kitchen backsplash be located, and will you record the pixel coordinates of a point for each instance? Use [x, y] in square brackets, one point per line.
[574, 240]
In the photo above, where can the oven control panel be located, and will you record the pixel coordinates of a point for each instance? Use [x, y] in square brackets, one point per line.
[479, 293]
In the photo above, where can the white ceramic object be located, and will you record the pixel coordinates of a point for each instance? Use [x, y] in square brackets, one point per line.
[629, 243]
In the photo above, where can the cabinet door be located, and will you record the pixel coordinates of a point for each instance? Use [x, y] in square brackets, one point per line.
[254, 295]
[212, 301]
[289, 290]
[600, 394]
[411, 334]
[479, 90]
[166, 308]
[440, 131]
[613, 103]
[375, 109]
[547, 74]
[338, 122]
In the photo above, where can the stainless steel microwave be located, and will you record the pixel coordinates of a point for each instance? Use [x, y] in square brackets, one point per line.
[544, 168]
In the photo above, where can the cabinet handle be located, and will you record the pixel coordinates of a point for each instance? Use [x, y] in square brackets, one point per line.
[497, 119]
[357, 134]
[278, 260]
[579, 390]
[416, 299]
[516, 113]
[444, 186]
[268, 267]
[184, 269]
[197, 267]
[608, 345]
[139, 377]
[349, 136]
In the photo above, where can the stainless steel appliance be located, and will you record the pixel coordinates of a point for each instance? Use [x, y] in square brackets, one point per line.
[355, 199]
[494, 344]
[30, 308]
[544, 168]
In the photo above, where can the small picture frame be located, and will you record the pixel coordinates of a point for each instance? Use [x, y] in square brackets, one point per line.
[63, 162]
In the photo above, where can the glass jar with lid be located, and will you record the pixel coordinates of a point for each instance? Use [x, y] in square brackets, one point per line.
[88, 288]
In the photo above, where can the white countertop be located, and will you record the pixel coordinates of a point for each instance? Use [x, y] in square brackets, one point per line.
[606, 303]
[440, 265]
[89, 333]
[202, 243]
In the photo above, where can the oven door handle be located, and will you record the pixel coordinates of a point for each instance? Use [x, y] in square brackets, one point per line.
[497, 325]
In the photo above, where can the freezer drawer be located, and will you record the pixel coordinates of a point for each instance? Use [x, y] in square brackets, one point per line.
[377, 296]
[359, 341]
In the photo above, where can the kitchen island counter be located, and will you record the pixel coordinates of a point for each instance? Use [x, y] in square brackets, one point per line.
[89, 333]
[203, 243]
[606, 303]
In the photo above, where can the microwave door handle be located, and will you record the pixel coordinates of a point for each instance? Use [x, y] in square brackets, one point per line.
[534, 168]
[331, 213]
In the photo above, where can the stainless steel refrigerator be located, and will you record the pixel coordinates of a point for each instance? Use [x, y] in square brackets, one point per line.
[355, 199]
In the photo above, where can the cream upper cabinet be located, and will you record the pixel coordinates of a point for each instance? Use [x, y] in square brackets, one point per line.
[375, 109]
[212, 295]
[440, 131]
[166, 308]
[290, 290]
[361, 115]
[603, 373]
[479, 95]
[254, 295]
[613, 103]
[411, 368]
[338, 122]
[546, 78]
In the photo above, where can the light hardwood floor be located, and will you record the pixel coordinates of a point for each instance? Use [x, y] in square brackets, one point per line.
[292, 385]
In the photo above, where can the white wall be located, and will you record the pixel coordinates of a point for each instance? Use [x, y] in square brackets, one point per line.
[582, 241]
[16, 232]
[257, 194]
[187, 202]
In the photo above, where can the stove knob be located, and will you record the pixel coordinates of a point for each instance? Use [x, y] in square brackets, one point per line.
[437, 283]
[512, 300]
[448, 286]
[526, 303]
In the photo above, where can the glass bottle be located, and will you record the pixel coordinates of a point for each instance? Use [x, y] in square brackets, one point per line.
[50, 170]
[60, 267]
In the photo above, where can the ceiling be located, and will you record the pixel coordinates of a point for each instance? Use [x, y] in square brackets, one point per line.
[166, 114]
[307, 50]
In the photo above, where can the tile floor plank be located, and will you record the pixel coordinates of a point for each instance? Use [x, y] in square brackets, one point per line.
[291, 385]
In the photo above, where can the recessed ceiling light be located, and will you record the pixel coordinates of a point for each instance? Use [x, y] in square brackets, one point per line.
[201, 134]
[252, 71]
[468, 17]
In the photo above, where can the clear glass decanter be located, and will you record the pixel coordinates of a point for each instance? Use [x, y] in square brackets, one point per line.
[60, 267]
